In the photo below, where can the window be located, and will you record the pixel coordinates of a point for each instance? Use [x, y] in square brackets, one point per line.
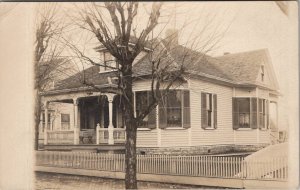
[263, 113]
[250, 113]
[109, 62]
[65, 121]
[242, 112]
[208, 111]
[143, 100]
[174, 109]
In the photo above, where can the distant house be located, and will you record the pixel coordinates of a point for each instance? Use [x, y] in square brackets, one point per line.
[222, 103]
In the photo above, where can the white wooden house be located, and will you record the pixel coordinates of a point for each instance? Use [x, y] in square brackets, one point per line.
[223, 102]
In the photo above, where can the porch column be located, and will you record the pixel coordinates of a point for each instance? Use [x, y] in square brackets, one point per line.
[46, 123]
[76, 127]
[110, 98]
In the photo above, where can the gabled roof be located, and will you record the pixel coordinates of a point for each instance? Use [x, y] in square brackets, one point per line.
[241, 67]
[88, 76]
[235, 69]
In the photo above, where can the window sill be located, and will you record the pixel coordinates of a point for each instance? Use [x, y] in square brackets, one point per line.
[244, 129]
[143, 129]
[209, 129]
[174, 128]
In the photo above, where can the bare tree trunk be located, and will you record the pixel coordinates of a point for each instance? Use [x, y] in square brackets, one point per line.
[130, 156]
[131, 129]
[37, 115]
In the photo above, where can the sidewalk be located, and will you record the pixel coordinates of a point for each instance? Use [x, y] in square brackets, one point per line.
[71, 182]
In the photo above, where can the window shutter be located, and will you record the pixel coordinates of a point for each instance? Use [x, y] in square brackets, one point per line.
[152, 119]
[235, 114]
[186, 110]
[152, 115]
[215, 111]
[203, 111]
[253, 113]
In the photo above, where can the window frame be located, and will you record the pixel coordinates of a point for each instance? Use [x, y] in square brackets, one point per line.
[103, 68]
[264, 113]
[184, 122]
[146, 126]
[210, 111]
[65, 122]
[256, 109]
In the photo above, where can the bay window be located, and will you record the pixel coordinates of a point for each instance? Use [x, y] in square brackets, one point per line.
[250, 113]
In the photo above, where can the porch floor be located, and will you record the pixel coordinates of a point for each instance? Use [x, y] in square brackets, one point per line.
[118, 148]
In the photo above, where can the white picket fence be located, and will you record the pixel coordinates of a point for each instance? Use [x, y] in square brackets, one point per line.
[204, 166]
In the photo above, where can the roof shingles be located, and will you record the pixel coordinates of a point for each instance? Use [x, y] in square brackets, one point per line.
[238, 67]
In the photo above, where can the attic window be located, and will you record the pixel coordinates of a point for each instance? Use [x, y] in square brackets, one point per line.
[262, 70]
[109, 62]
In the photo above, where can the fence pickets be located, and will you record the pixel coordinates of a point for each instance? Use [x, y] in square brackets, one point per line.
[204, 166]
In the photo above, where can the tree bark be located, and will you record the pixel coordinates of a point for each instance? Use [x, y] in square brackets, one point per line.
[37, 118]
[130, 156]
[131, 128]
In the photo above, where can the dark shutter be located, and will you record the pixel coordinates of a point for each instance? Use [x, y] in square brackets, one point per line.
[186, 109]
[203, 111]
[253, 113]
[215, 111]
[235, 113]
[152, 115]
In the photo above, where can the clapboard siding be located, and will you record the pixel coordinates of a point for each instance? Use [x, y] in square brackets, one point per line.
[263, 94]
[224, 132]
[246, 136]
[147, 138]
[264, 136]
[146, 85]
[173, 137]
[245, 92]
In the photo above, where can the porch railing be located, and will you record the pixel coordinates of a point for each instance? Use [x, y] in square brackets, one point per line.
[103, 135]
[202, 166]
[60, 137]
[119, 135]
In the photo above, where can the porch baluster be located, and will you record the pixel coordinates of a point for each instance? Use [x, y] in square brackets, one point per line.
[76, 127]
[110, 98]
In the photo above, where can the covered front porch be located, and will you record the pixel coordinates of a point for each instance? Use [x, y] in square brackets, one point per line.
[88, 119]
